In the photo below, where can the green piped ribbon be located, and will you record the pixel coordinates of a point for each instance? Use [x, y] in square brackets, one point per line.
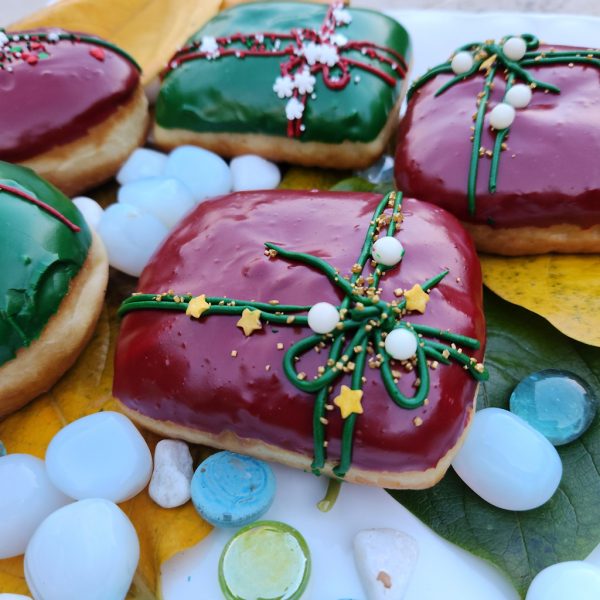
[515, 70]
[365, 321]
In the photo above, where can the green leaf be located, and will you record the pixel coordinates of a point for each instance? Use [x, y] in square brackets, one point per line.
[568, 526]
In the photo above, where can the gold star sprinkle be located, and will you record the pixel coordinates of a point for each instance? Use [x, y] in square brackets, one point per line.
[348, 401]
[197, 306]
[250, 321]
[416, 298]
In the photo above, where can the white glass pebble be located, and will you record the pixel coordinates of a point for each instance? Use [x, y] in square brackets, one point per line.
[572, 580]
[502, 116]
[27, 497]
[204, 173]
[92, 212]
[102, 455]
[518, 96]
[387, 251]
[507, 462]
[401, 344]
[142, 163]
[514, 48]
[88, 549]
[461, 62]
[385, 560]
[130, 236]
[170, 485]
[250, 172]
[323, 317]
[164, 197]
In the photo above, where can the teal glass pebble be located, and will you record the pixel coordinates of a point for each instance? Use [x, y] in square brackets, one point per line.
[2, 449]
[232, 490]
[559, 404]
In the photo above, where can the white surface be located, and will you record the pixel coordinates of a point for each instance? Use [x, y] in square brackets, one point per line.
[102, 455]
[443, 571]
[86, 550]
[507, 462]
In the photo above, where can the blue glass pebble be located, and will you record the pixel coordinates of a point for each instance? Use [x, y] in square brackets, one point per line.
[232, 490]
[559, 404]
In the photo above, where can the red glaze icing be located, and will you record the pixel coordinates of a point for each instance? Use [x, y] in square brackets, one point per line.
[56, 100]
[174, 368]
[554, 175]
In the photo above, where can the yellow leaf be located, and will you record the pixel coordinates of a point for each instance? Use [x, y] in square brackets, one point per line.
[150, 30]
[85, 389]
[302, 178]
[564, 289]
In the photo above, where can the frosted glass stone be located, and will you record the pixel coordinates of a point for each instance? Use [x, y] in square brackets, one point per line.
[572, 580]
[515, 48]
[142, 163]
[461, 62]
[14, 597]
[27, 497]
[559, 404]
[385, 560]
[164, 197]
[518, 95]
[502, 116]
[204, 173]
[102, 455]
[172, 475]
[387, 250]
[250, 172]
[507, 462]
[401, 344]
[88, 549]
[92, 212]
[380, 172]
[323, 317]
[130, 236]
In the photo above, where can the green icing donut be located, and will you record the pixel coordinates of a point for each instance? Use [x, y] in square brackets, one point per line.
[230, 94]
[40, 253]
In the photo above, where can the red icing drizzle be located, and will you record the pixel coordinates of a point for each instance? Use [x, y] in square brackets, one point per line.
[170, 367]
[46, 101]
[49, 209]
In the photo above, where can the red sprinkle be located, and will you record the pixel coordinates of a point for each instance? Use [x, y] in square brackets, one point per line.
[32, 59]
[35, 45]
[97, 53]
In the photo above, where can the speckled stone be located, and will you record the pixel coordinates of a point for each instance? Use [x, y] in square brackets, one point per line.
[559, 404]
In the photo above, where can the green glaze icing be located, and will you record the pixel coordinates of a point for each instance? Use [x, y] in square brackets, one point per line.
[39, 255]
[512, 70]
[235, 95]
[365, 321]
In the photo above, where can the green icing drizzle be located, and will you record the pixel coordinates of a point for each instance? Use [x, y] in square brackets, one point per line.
[40, 254]
[515, 70]
[365, 321]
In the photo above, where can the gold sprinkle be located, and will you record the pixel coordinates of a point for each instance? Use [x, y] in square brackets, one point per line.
[418, 421]
[290, 319]
[279, 346]
[301, 376]
[274, 302]
[324, 421]
[446, 353]
[267, 367]
[234, 353]
[325, 444]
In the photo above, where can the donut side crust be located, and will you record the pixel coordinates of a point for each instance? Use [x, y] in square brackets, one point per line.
[96, 157]
[347, 155]
[227, 440]
[519, 241]
[38, 366]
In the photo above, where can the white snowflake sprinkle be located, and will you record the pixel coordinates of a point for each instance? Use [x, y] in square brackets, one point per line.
[294, 109]
[357, 79]
[259, 37]
[15, 38]
[342, 16]
[303, 127]
[284, 86]
[325, 54]
[53, 36]
[210, 47]
[339, 40]
[3, 38]
[304, 81]
[314, 96]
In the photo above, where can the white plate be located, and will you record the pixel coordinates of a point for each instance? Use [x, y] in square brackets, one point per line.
[443, 570]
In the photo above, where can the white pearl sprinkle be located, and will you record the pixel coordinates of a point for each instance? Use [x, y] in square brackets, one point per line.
[323, 317]
[502, 116]
[387, 251]
[518, 96]
[461, 62]
[401, 344]
[515, 48]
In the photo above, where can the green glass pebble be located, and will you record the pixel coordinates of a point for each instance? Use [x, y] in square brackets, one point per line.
[559, 404]
[2, 450]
